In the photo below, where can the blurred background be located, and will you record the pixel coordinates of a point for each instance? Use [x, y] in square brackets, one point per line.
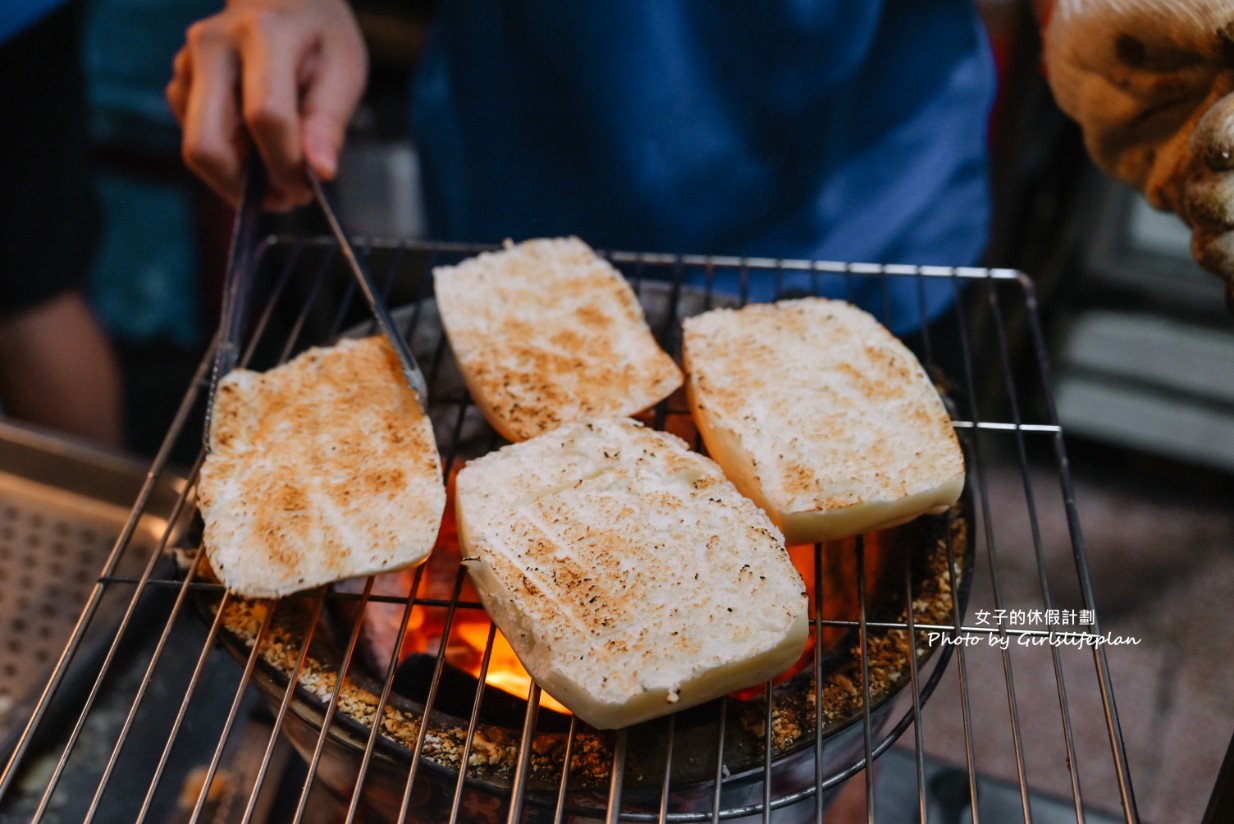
[1140, 349]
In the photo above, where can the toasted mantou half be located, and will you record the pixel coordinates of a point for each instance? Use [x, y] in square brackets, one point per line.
[321, 469]
[820, 415]
[546, 332]
[628, 574]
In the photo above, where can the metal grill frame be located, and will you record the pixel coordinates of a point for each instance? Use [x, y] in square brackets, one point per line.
[987, 290]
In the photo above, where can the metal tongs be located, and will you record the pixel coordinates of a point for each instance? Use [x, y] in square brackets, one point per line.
[238, 284]
[411, 369]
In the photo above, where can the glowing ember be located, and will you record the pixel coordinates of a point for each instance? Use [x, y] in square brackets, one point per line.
[504, 670]
[469, 629]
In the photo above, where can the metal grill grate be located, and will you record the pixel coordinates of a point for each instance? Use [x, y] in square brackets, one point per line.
[169, 728]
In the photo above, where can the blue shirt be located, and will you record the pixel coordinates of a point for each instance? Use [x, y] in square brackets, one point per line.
[789, 128]
[18, 15]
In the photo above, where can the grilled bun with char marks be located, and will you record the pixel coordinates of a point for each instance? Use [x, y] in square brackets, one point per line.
[545, 332]
[629, 576]
[820, 415]
[321, 469]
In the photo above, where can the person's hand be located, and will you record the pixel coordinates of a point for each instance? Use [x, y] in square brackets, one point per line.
[286, 73]
[1151, 82]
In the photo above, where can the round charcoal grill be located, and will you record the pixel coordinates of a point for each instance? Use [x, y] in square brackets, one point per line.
[301, 674]
[743, 754]
[721, 748]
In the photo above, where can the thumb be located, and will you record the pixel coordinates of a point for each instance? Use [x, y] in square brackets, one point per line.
[323, 140]
[332, 94]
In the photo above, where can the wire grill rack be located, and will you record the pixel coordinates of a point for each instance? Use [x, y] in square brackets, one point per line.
[168, 727]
